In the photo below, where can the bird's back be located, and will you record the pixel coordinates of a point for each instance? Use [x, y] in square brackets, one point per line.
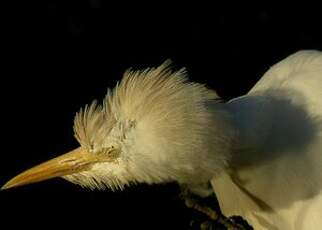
[276, 178]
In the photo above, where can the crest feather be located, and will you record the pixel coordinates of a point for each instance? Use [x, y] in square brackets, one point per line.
[152, 92]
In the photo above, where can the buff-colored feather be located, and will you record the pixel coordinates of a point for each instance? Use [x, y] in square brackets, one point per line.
[156, 119]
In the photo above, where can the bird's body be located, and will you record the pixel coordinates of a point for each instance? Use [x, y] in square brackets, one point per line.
[262, 152]
[275, 179]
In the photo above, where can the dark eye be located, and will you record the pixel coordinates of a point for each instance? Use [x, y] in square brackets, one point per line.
[113, 152]
[110, 152]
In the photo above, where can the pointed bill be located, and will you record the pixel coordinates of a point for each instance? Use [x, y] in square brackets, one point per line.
[72, 162]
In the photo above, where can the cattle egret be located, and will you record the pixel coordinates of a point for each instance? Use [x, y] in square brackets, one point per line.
[262, 152]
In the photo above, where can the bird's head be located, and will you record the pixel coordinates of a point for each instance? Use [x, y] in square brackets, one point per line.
[153, 127]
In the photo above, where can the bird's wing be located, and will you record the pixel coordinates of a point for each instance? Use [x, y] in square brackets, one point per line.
[297, 67]
[279, 162]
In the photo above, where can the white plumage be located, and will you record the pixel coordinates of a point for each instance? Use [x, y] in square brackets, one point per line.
[275, 181]
[157, 119]
[262, 152]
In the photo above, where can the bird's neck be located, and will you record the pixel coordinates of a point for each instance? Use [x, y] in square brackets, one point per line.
[251, 122]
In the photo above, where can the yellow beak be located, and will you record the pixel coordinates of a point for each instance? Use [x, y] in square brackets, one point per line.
[69, 163]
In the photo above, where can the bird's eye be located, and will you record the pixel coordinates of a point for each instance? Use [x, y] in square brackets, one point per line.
[112, 152]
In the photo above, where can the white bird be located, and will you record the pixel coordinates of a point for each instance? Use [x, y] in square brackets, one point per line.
[262, 152]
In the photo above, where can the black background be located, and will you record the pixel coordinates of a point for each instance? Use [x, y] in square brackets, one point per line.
[58, 56]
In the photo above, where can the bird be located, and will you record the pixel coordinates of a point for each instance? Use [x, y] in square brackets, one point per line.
[260, 152]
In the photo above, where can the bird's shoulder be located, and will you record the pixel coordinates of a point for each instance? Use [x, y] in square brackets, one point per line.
[302, 66]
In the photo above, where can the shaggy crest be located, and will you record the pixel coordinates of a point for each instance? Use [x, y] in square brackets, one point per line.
[141, 93]
[157, 121]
